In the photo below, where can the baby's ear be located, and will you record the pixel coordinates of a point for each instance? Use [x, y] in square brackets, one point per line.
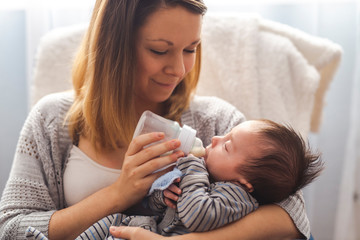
[248, 186]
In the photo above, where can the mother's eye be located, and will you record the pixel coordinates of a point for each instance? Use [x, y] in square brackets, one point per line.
[158, 52]
[190, 50]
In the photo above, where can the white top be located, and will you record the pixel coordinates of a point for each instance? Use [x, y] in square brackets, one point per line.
[83, 176]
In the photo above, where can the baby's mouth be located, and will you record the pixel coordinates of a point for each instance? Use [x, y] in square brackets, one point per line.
[206, 152]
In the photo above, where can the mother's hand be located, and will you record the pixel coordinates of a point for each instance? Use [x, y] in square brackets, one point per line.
[134, 233]
[140, 165]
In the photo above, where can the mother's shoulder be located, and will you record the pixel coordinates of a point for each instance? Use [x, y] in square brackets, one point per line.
[57, 99]
[54, 105]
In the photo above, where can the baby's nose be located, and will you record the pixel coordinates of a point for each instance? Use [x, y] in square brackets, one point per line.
[215, 141]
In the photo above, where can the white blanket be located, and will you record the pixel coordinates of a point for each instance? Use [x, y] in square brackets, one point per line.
[267, 69]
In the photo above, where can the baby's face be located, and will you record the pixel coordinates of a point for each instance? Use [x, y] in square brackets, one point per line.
[227, 152]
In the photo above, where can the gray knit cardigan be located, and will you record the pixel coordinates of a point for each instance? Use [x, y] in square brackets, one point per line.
[34, 190]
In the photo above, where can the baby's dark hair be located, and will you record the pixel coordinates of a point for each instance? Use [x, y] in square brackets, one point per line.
[285, 166]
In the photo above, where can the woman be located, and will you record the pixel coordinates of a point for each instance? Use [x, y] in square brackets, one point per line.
[137, 55]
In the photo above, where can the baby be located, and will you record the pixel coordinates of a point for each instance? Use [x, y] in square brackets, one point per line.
[258, 162]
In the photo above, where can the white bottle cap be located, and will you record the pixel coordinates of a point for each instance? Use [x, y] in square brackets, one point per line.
[187, 139]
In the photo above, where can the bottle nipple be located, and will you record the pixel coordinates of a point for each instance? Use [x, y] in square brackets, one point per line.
[198, 150]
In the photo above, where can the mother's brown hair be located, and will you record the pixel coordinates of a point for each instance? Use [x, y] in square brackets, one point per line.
[103, 72]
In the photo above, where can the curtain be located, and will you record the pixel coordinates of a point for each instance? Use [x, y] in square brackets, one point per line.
[348, 211]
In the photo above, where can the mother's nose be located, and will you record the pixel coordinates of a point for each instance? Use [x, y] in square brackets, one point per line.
[176, 67]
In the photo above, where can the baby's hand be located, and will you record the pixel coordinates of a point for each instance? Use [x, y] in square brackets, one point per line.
[172, 193]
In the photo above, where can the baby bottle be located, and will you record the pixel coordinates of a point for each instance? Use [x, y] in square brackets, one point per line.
[150, 122]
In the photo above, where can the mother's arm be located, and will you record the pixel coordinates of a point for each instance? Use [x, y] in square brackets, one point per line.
[137, 175]
[268, 222]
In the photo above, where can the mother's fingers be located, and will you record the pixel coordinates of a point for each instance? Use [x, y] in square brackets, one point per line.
[141, 177]
[142, 140]
[149, 167]
[151, 152]
[134, 233]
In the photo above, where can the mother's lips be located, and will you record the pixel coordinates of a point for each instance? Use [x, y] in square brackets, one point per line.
[169, 84]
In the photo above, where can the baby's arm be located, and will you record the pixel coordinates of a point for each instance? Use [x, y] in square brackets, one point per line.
[203, 206]
[156, 202]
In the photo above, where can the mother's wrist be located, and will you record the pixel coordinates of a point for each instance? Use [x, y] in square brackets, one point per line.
[118, 202]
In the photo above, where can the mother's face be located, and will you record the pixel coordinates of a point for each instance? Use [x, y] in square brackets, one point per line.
[165, 50]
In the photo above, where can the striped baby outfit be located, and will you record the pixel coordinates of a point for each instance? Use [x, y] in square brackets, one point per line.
[203, 205]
